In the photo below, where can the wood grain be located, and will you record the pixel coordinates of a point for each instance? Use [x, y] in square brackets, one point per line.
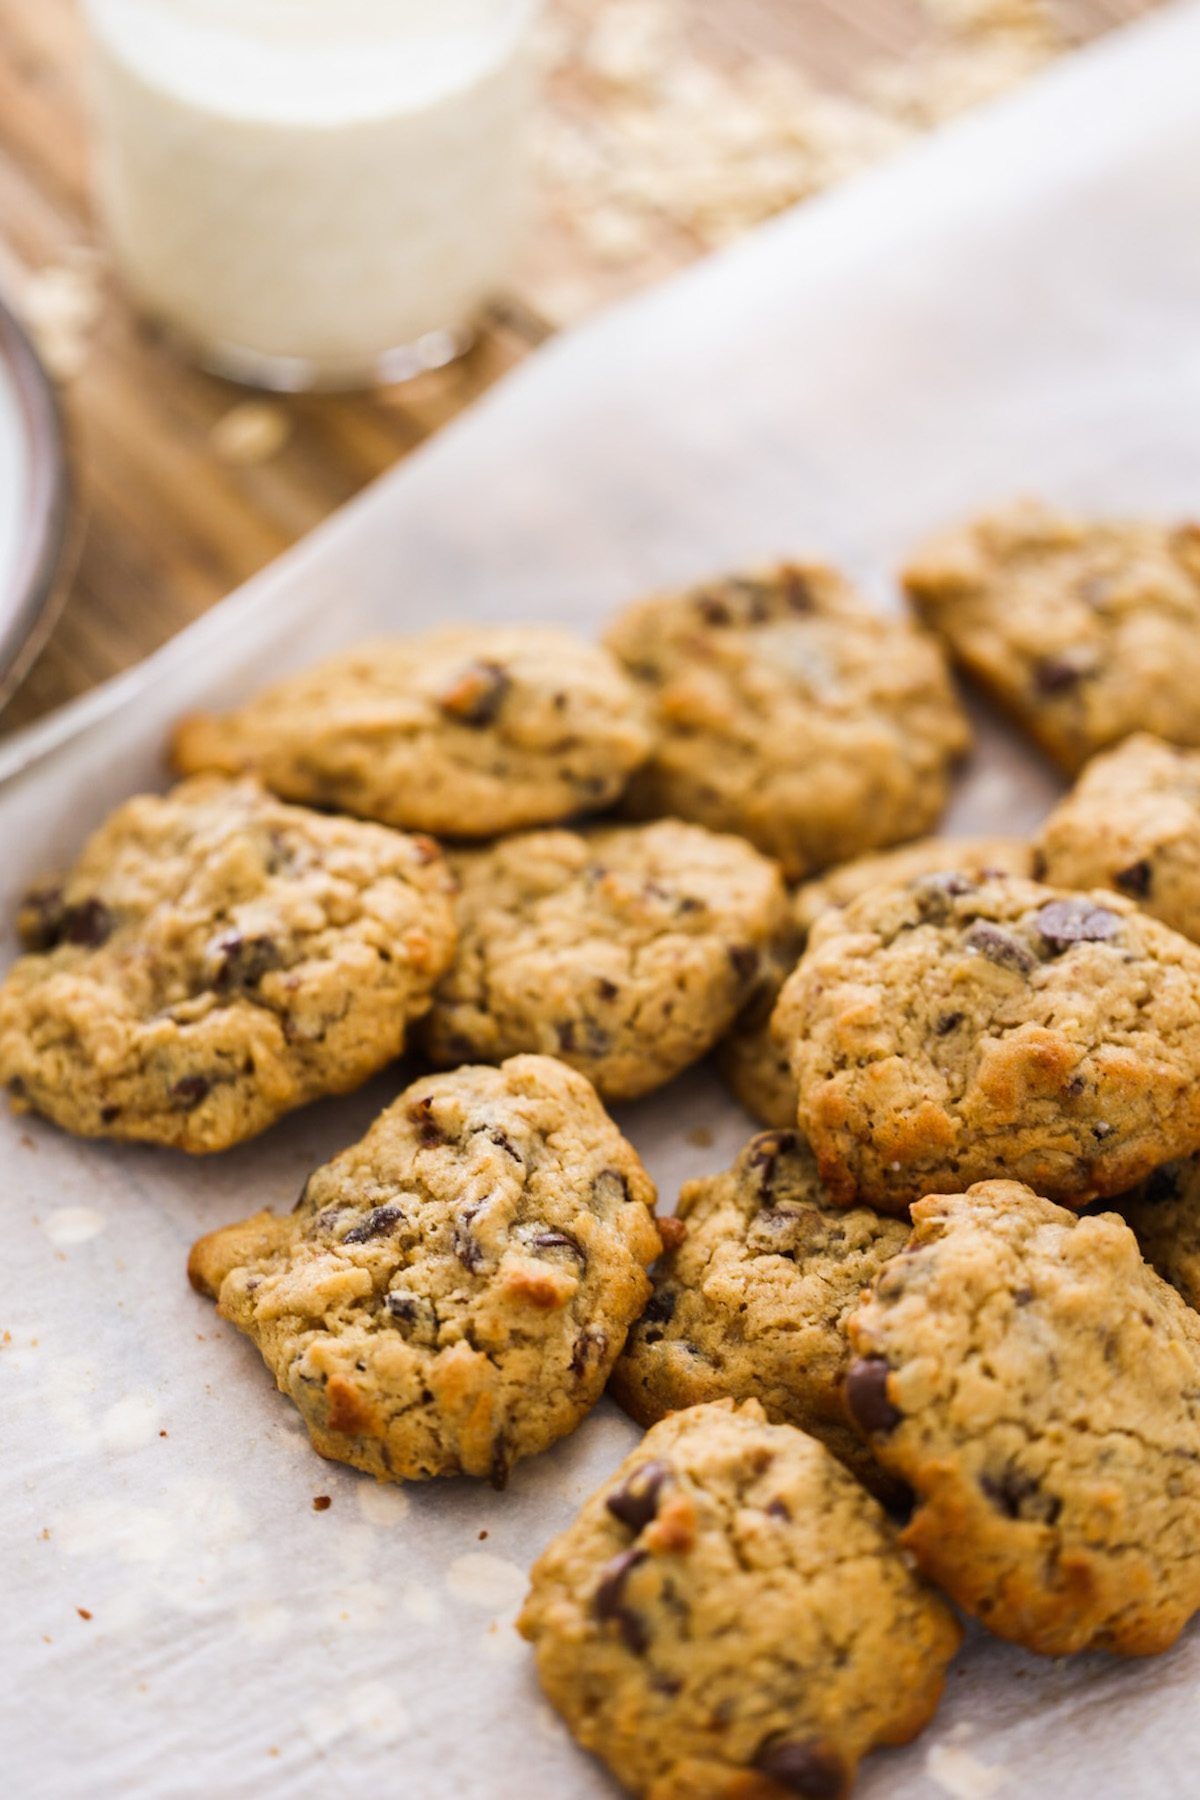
[169, 527]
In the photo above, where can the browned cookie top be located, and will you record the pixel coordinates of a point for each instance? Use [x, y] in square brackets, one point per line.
[466, 731]
[216, 958]
[1085, 630]
[788, 711]
[1038, 1386]
[451, 1292]
[959, 1027]
[730, 1617]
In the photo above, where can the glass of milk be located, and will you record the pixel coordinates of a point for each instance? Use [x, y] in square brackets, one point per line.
[313, 193]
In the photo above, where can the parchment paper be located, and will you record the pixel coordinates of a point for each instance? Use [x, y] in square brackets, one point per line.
[1015, 305]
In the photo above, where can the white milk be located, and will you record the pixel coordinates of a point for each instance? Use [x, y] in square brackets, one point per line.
[14, 483]
[300, 187]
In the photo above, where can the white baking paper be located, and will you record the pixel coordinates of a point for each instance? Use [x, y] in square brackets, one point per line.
[1012, 306]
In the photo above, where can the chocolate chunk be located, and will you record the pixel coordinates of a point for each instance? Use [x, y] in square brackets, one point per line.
[935, 892]
[1136, 879]
[713, 610]
[476, 696]
[1101, 1131]
[376, 1224]
[1022, 1296]
[745, 960]
[421, 1115]
[583, 1037]
[867, 1395]
[505, 1143]
[635, 1502]
[609, 1602]
[241, 962]
[1056, 674]
[659, 1310]
[948, 1022]
[558, 1240]
[88, 923]
[1019, 1496]
[610, 1188]
[803, 1766]
[1000, 947]
[109, 1115]
[590, 1347]
[189, 1091]
[40, 921]
[1162, 1184]
[467, 1247]
[764, 1151]
[777, 1509]
[607, 990]
[1066, 922]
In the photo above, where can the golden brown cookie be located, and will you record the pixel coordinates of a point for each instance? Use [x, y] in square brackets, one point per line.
[730, 1617]
[1038, 1386]
[216, 958]
[450, 1293]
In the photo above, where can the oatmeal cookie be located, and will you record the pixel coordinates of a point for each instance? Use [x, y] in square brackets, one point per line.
[789, 712]
[451, 1292]
[730, 1617]
[751, 1059]
[216, 958]
[958, 1028]
[627, 951]
[752, 1301]
[1038, 1386]
[1163, 1212]
[1083, 631]
[467, 731]
[1132, 822]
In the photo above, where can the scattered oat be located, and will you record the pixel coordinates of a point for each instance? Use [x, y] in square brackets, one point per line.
[71, 1225]
[253, 431]
[62, 304]
[962, 1775]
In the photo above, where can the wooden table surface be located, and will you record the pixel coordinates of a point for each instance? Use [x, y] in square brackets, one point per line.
[183, 492]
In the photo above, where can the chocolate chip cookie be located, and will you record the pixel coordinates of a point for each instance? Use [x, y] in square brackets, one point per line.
[1083, 630]
[751, 1059]
[467, 731]
[789, 712]
[957, 1028]
[731, 1616]
[1132, 822]
[626, 951]
[216, 958]
[752, 1301]
[450, 1293]
[1038, 1386]
[1163, 1212]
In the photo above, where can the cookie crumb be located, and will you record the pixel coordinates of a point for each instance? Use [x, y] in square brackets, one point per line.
[321, 1502]
[962, 1775]
[83, 1612]
[701, 1136]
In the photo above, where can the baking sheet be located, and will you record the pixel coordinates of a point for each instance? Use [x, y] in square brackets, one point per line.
[1014, 305]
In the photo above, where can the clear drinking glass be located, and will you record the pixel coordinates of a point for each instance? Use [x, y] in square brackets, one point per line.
[313, 192]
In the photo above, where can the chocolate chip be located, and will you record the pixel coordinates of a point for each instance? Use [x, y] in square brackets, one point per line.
[867, 1395]
[583, 1037]
[1022, 1296]
[763, 1152]
[590, 1347]
[1000, 947]
[803, 1766]
[1136, 879]
[501, 1464]
[109, 1115]
[1055, 674]
[558, 1240]
[190, 1090]
[505, 1143]
[1066, 922]
[777, 1509]
[799, 591]
[403, 1306]
[1101, 1131]
[1162, 1184]
[745, 960]
[467, 1247]
[635, 1502]
[609, 1604]
[935, 892]
[421, 1115]
[948, 1022]
[241, 962]
[1019, 1496]
[659, 1310]
[607, 990]
[610, 1188]
[477, 695]
[88, 923]
[376, 1224]
[713, 610]
[40, 921]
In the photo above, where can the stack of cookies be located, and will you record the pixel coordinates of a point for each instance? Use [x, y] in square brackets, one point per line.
[894, 1362]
